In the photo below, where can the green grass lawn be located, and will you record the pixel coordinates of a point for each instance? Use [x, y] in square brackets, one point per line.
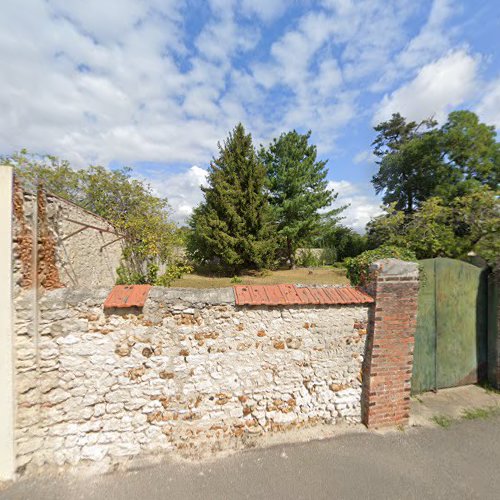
[306, 276]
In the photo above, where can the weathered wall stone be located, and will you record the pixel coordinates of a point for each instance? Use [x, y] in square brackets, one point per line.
[74, 247]
[193, 371]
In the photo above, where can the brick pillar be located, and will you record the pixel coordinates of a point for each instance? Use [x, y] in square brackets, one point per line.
[389, 353]
[494, 327]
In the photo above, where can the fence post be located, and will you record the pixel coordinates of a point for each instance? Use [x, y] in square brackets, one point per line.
[389, 354]
[494, 327]
[7, 454]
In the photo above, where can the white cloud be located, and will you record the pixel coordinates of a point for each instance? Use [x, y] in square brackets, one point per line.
[361, 207]
[267, 10]
[183, 190]
[433, 40]
[365, 156]
[135, 81]
[438, 87]
[489, 106]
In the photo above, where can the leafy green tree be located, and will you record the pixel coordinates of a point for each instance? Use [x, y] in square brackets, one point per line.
[444, 229]
[233, 224]
[127, 203]
[298, 189]
[339, 242]
[410, 164]
[418, 160]
[470, 150]
[429, 232]
[387, 228]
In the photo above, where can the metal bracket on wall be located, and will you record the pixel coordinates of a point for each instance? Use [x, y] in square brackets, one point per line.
[90, 226]
[110, 243]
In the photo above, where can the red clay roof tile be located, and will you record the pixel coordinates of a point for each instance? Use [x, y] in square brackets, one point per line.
[124, 296]
[257, 295]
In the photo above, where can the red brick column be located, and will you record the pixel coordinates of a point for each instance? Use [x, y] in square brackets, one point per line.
[389, 354]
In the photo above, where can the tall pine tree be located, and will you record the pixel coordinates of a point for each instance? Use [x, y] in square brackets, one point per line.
[233, 224]
[298, 189]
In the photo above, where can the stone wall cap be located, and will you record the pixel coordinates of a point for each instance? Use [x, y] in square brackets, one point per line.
[395, 267]
[212, 296]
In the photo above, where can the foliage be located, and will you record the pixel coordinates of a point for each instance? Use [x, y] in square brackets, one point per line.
[127, 203]
[308, 258]
[467, 223]
[234, 223]
[470, 149]
[358, 267]
[236, 280]
[387, 228]
[418, 161]
[298, 189]
[173, 271]
[409, 161]
[339, 242]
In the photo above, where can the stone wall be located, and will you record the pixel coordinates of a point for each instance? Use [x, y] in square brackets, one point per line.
[192, 371]
[74, 246]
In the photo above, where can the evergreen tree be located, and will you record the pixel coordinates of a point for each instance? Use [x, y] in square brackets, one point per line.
[298, 189]
[233, 224]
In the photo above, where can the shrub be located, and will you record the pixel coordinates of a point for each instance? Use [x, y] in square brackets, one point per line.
[173, 271]
[308, 258]
[358, 267]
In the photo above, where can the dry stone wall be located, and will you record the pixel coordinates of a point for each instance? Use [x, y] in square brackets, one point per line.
[191, 371]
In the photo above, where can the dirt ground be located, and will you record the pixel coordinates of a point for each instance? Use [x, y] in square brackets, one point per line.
[306, 276]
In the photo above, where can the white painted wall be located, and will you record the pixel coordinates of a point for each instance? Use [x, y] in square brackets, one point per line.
[7, 455]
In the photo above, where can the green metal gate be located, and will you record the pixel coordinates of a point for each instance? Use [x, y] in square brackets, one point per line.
[451, 334]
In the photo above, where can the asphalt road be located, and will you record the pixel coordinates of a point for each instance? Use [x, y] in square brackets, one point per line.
[462, 461]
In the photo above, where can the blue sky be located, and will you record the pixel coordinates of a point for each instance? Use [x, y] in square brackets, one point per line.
[156, 83]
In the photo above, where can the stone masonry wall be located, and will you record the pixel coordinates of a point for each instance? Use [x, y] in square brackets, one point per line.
[192, 371]
[75, 247]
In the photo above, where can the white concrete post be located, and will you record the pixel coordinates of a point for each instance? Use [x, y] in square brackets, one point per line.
[7, 400]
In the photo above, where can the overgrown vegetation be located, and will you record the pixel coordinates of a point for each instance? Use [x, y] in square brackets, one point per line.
[127, 203]
[358, 267]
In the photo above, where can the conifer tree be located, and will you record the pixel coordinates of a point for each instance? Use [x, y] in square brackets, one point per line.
[233, 224]
[298, 190]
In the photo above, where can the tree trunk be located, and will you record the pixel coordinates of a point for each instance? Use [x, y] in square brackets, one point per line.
[291, 253]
